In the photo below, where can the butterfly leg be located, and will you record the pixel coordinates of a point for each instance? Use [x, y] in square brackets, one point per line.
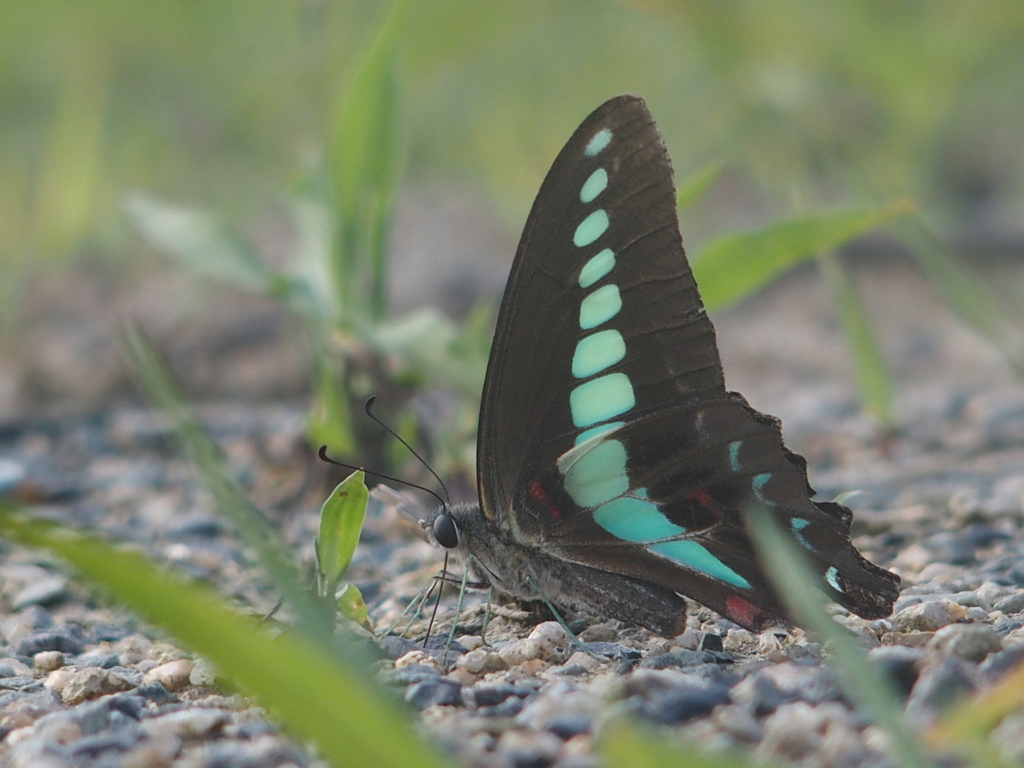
[487, 615]
[558, 617]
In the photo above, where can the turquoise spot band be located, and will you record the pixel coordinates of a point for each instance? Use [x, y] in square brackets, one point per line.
[693, 555]
[598, 143]
[594, 185]
[601, 399]
[600, 306]
[599, 475]
[597, 267]
[591, 228]
[596, 352]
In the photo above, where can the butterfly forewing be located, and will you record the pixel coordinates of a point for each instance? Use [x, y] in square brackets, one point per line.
[571, 270]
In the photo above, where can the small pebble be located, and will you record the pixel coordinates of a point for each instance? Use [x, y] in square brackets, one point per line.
[173, 676]
[972, 642]
[191, 723]
[47, 661]
[203, 673]
[481, 661]
[1012, 604]
[928, 616]
[470, 642]
[79, 685]
[417, 657]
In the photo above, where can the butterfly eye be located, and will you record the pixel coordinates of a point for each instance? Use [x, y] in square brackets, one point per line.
[445, 531]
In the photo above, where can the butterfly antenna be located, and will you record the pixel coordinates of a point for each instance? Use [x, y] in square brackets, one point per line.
[322, 453]
[368, 407]
[437, 602]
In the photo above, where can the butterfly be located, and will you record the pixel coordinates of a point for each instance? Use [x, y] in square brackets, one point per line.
[614, 468]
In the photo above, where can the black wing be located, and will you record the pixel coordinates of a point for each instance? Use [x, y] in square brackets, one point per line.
[602, 330]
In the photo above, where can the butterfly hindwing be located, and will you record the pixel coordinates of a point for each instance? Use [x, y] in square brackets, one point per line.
[607, 438]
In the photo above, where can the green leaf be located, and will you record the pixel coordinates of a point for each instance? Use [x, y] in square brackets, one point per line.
[330, 422]
[198, 240]
[253, 527]
[873, 378]
[316, 697]
[351, 605]
[698, 183]
[734, 266]
[863, 682]
[428, 344]
[341, 522]
[365, 153]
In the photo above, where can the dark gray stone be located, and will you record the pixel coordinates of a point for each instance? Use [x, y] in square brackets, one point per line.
[25, 684]
[685, 658]
[395, 647]
[998, 664]
[409, 674]
[613, 650]
[509, 708]
[710, 642]
[569, 724]
[1004, 625]
[685, 702]
[490, 695]
[1011, 604]
[60, 639]
[941, 685]
[36, 617]
[156, 693]
[434, 692]
[114, 740]
[901, 665]
[105, 632]
[103, 661]
[758, 695]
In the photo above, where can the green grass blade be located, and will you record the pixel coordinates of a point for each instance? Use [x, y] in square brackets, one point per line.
[862, 681]
[341, 522]
[968, 726]
[873, 378]
[365, 154]
[628, 746]
[198, 240]
[968, 297]
[734, 266]
[313, 695]
[252, 526]
[697, 183]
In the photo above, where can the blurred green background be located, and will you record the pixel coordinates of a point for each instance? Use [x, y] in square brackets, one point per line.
[226, 103]
[228, 106]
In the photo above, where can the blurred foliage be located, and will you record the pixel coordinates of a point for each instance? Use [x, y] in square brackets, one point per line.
[850, 105]
[218, 102]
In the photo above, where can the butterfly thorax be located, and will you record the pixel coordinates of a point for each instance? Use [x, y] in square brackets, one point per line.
[493, 557]
[526, 572]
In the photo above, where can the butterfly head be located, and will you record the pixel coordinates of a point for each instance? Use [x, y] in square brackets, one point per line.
[455, 527]
[445, 530]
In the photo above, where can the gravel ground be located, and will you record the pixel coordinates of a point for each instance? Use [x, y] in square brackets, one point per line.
[82, 684]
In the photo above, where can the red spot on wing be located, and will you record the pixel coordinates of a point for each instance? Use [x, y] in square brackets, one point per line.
[538, 492]
[702, 497]
[743, 612]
